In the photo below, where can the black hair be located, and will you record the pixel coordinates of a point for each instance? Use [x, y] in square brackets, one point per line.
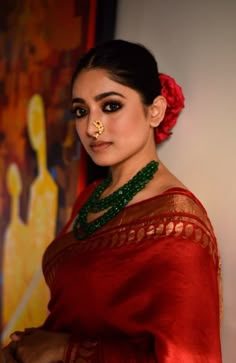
[127, 63]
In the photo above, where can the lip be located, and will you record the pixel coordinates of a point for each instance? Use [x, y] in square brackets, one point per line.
[99, 145]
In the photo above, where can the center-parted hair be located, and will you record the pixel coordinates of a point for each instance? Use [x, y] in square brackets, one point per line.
[127, 63]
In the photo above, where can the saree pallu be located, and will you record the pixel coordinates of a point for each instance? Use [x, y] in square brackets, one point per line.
[143, 288]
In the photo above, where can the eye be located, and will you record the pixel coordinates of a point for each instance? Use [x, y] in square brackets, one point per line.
[112, 106]
[79, 112]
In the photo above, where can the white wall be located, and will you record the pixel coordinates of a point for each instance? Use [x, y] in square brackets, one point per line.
[195, 41]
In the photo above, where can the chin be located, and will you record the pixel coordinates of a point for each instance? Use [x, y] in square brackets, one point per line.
[101, 161]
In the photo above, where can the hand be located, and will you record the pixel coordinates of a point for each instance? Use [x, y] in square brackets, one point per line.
[39, 346]
[8, 353]
[18, 334]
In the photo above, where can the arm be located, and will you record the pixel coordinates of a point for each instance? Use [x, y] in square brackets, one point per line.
[36, 346]
[40, 346]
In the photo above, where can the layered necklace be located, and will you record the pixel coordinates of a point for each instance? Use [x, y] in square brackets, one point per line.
[113, 203]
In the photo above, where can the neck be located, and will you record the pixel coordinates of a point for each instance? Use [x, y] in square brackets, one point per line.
[113, 203]
[122, 173]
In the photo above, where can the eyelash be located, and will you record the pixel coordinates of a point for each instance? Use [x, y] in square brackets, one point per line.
[79, 112]
[114, 106]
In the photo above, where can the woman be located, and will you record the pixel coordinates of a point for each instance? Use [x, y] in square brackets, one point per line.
[134, 274]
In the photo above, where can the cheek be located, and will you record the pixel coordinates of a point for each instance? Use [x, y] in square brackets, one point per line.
[125, 124]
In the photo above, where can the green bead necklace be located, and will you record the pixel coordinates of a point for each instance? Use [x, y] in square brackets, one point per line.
[114, 202]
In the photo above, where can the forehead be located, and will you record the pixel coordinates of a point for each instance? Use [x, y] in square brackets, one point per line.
[95, 81]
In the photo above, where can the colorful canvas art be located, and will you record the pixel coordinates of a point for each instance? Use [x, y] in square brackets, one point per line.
[41, 169]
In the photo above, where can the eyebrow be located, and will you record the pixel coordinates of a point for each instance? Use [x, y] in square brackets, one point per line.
[98, 97]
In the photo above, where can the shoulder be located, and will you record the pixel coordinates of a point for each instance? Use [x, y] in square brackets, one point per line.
[173, 201]
[176, 212]
[184, 200]
[181, 205]
[180, 214]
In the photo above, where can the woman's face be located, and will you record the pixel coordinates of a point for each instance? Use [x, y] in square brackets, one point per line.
[128, 133]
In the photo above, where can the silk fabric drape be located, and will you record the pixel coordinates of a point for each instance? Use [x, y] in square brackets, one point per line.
[143, 288]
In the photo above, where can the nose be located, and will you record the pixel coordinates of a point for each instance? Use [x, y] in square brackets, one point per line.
[91, 129]
[95, 128]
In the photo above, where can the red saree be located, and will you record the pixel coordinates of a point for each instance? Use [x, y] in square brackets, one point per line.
[143, 288]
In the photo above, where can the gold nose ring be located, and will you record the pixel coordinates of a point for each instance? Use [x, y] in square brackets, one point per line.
[100, 128]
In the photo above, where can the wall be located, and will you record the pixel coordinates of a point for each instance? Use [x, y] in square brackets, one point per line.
[194, 41]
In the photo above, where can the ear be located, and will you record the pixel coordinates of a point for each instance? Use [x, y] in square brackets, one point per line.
[157, 111]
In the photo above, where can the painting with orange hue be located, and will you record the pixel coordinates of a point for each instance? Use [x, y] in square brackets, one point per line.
[41, 169]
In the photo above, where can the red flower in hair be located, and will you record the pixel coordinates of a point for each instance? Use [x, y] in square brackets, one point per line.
[175, 103]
